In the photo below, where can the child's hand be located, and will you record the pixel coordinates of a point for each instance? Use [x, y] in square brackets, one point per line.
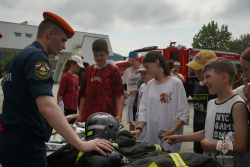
[71, 116]
[165, 133]
[125, 94]
[173, 139]
[136, 133]
[205, 144]
[133, 92]
[79, 118]
[119, 118]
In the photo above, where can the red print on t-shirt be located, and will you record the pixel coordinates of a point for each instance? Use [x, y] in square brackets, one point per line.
[165, 97]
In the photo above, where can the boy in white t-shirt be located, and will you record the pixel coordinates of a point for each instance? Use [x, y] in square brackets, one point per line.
[175, 70]
[225, 137]
[130, 79]
[145, 78]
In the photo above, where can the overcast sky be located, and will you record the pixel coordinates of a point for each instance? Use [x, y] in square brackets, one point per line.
[133, 24]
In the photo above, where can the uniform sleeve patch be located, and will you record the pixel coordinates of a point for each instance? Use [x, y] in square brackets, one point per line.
[42, 70]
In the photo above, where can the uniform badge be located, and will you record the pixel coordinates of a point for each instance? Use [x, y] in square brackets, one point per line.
[42, 70]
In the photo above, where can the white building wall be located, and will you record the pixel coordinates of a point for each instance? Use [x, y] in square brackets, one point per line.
[81, 41]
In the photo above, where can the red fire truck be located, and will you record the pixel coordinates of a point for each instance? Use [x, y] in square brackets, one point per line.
[182, 55]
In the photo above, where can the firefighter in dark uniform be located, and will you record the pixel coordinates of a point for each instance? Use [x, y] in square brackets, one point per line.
[29, 109]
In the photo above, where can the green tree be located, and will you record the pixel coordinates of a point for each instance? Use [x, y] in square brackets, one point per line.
[8, 60]
[211, 37]
[240, 44]
[2, 67]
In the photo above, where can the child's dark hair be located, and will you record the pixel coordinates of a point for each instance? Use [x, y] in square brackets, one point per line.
[221, 65]
[67, 65]
[151, 56]
[171, 64]
[100, 45]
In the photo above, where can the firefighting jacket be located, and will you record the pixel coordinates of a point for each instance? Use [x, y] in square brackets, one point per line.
[165, 159]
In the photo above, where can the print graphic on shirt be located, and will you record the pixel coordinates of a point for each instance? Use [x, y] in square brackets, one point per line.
[165, 97]
[223, 125]
[42, 70]
[133, 81]
[200, 97]
[96, 78]
[225, 144]
[200, 105]
[8, 77]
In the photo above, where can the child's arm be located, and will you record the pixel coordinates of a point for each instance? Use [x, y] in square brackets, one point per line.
[176, 126]
[240, 117]
[82, 95]
[82, 104]
[59, 98]
[180, 77]
[173, 139]
[133, 92]
[119, 106]
[138, 129]
[61, 89]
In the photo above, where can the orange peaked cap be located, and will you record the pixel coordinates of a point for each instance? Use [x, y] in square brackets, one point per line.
[60, 22]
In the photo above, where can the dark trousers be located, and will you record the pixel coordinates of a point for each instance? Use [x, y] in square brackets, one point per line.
[197, 145]
[21, 153]
[69, 112]
[134, 113]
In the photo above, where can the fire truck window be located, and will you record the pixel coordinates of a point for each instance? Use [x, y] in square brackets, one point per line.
[174, 56]
[125, 66]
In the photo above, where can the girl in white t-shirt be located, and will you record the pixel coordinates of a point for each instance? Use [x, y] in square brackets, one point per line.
[163, 105]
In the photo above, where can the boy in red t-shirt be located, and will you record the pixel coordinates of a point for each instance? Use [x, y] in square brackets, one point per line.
[101, 88]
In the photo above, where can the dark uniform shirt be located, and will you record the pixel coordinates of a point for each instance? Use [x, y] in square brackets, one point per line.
[28, 77]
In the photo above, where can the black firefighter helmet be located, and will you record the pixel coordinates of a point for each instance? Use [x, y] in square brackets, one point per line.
[102, 126]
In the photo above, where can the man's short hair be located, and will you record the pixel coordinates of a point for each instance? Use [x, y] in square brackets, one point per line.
[221, 65]
[45, 25]
[100, 45]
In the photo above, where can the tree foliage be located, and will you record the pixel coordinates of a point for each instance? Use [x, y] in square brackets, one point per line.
[2, 67]
[8, 60]
[211, 37]
[240, 44]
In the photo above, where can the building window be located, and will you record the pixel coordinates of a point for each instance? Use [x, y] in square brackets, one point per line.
[18, 34]
[28, 35]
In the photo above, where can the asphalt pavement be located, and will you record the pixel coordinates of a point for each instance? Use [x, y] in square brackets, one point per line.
[186, 147]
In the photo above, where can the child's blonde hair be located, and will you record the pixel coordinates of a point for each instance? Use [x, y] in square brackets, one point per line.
[221, 65]
[80, 54]
[67, 65]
